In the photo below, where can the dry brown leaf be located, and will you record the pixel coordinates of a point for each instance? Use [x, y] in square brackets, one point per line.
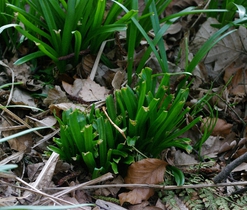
[226, 51]
[118, 79]
[21, 143]
[85, 66]
[236, 73]
[55, 96]
[58, 108]
[86, 89]
[136, 196]
[222, 128]
[21, 97]
[146, 171]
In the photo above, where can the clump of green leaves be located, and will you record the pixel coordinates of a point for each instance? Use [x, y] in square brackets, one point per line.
[9, 37]
[59, 28]
[152, 115]
[90, 138]
[152, 118]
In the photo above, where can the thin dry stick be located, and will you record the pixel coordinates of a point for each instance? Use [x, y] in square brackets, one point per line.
[91, 182]
[162, 187]
[114, 125]
[34, 190]
[18, 119]
[54, 199]
[11, 128]
[227, 170]
[46, 138]
[121, 131]
[12, 84]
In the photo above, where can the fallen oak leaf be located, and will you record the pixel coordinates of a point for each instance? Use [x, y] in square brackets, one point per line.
[221, 128]
[136, 196]
[146, 171]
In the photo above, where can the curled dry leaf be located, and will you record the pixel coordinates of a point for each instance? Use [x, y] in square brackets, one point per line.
[86, 89]
[222, 128]
[236, 74]
[58, 108]
[55, 96]
[147, 171]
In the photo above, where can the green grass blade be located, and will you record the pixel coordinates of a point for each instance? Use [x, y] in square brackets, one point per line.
[21, 133]
[51, 23]
[89, 160]
[120, 107]
[140, 28]
[130, 101]
[45, 51]
[156, 28]
[34, 28]
[29, 16]
[141, 94]
[75, 129]
[69, 26]
[111, 109]
[78, 41]
[29, 57]
[87, 132]
[34, 39]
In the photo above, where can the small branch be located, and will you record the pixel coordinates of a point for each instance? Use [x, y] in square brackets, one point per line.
[66, 57]
[114, 125]
[162, 187]
[227, 170]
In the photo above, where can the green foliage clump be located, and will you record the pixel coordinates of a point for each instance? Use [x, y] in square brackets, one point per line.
[152, 118]
[59, 28]
[90, 138]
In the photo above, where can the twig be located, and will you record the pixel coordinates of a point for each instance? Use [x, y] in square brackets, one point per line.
[162, 187]
[114, 125]
[34, 190]
[12, 84]
[18, 118]
[70, 189]
[66, 57]
[227, 170]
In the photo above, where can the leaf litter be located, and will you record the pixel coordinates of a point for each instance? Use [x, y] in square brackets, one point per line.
[41, 173]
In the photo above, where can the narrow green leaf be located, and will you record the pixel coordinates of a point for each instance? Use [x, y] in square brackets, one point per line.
[89, 160]
[4, 168]
[78, 41]
[29, 57]
[46, 52]
[33, 27]
[178, 175]
[142, 93]
[87, 132]
[75, 129]
[111, 109]
[21, 133]
[51, 23]
[129, 99]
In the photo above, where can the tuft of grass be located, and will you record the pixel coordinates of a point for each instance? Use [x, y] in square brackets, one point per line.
[144, 121]
[59, 28]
